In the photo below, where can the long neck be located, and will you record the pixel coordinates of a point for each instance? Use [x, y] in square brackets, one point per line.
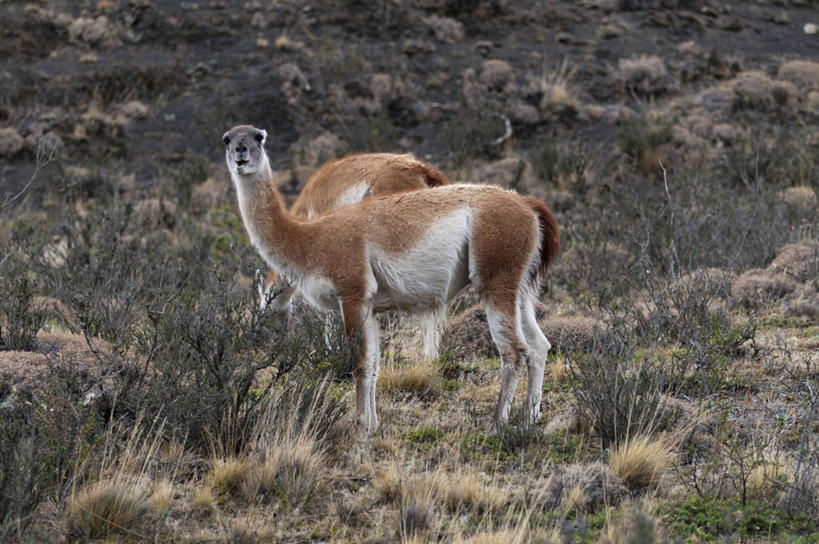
[271, 228]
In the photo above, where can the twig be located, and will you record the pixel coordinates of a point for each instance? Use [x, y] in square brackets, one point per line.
[673, 248]
[39, 164]
[506, 134]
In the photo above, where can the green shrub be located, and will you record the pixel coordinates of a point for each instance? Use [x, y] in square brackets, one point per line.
[26, 470]
[616, 390]
[637, 136]
[472, 133]
[20, 318]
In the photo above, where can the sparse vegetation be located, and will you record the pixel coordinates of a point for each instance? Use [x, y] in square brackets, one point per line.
[145, 397]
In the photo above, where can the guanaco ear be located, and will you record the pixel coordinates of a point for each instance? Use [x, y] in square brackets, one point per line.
[226, 139]
[261, 136]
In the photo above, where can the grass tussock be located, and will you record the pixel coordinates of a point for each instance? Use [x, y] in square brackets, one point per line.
[202, 498]
[227, 475]
[290, 470]
[421, 379]
[285, 459]
[120, 495]
[642, 461]
[467, 491]
[162, 495]
[109, 506]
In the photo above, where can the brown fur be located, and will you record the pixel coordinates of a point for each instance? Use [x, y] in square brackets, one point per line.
[549, 237]
[502, 233]
[385, 173]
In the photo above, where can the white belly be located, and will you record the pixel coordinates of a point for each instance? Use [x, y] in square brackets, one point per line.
[429, 274]
[319, 292]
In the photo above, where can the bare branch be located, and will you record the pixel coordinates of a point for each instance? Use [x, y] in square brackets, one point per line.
[507, 133]
[40, 161]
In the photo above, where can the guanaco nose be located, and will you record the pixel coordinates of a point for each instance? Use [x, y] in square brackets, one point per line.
[241, 151]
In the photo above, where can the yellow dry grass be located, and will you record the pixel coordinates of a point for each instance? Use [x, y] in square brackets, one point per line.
[110, 505]
[202, 498]
[467, 491]
[419, 378]
[559, 93]
[120, 494]
[575, 500]
[642, 461]
[227, 475]
[291, 470]
[764, 477]
[162, 494]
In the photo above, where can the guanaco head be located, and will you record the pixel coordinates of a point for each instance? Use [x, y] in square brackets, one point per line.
[244, 149]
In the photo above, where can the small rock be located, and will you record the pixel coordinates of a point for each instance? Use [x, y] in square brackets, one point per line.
[10, 142]
[88, 58]
[781, 18]
[262, 43]
[810, 29]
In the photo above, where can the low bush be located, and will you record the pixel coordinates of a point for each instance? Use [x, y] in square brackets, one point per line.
[617, 390]
[20, 317]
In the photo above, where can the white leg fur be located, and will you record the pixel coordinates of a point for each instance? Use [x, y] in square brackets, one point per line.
[536, 359]
[431, 328]
[509, 373]
[373, 358]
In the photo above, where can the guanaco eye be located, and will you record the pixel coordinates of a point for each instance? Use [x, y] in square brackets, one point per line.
[226, 140]
[259, 137]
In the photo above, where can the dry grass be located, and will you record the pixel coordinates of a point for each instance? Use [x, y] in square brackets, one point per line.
[502, 536]
[162, 494]
[227, 475]
[120, 495]
[111, 505]
[202, 498]
[465, 490]
[559, 93]
[644, 74]
[637, 526]
[415, 514]
[387, 483]
[642, 461]
[574, 500]
[291, 471]
[420, 378]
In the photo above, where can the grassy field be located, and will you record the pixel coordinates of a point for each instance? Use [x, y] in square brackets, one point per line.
[145, 397]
